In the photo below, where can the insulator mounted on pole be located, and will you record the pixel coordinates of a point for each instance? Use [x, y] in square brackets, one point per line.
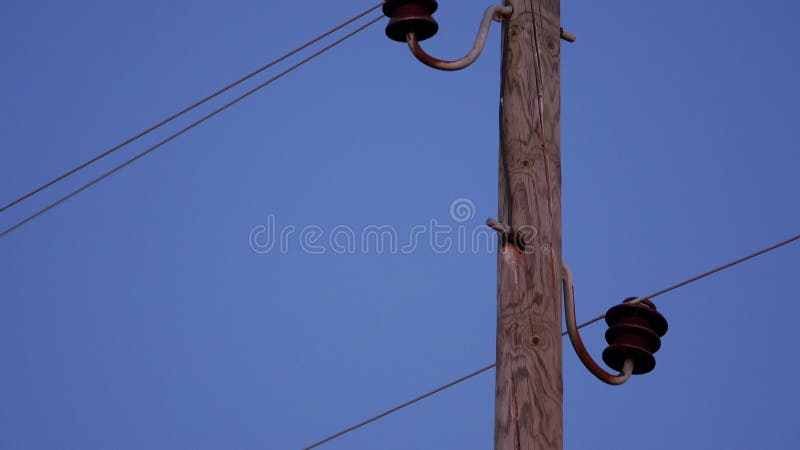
[634, 335]
[411, 21]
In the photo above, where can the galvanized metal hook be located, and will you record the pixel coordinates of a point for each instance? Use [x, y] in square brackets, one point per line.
[494, 12]
[577, 342]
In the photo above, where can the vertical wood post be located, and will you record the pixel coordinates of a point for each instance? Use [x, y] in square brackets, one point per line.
[528, 408]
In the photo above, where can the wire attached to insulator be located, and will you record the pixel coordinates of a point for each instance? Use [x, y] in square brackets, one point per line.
[185, 110]
[577, 342]
[187, 128]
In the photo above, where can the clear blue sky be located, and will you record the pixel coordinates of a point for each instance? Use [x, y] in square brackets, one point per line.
[138, 316]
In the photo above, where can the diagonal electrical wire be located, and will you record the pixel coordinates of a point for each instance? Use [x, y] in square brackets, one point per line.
[400, 406]
[585, 324]
[189, 127]
[186, 109]
[706, 274]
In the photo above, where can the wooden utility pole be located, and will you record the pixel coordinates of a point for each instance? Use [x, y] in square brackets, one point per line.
[528, 408]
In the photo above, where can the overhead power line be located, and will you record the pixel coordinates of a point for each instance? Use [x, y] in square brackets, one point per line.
[187, 128]
[585, 324]
[399, 407]
[186, 109]
[705, 274]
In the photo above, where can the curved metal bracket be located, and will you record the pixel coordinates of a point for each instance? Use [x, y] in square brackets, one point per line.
[492, 13]
[577, 342]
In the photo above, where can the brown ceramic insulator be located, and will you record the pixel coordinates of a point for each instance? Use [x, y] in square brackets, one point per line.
[635, 330]
[415, 16]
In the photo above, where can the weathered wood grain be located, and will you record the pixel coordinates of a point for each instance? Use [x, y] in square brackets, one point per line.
[528, 409]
